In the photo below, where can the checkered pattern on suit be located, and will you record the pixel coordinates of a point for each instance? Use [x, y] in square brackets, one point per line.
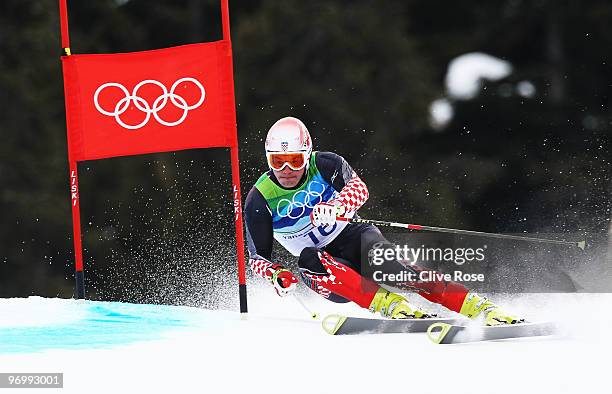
[353, 195]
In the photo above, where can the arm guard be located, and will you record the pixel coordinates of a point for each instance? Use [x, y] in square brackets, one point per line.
[353, 195]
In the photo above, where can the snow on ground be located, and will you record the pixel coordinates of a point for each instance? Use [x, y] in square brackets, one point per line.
[104, 347]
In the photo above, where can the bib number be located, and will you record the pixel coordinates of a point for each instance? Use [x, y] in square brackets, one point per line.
[323, 232]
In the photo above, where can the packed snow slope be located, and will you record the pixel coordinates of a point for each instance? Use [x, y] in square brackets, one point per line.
[104, 347]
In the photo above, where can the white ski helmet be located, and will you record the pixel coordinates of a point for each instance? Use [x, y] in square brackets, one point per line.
[288, 143]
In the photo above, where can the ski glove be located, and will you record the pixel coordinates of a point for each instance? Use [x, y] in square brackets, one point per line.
[325, 214]
[284, 282]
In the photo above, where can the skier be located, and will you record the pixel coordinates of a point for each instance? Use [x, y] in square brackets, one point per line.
[297, 202]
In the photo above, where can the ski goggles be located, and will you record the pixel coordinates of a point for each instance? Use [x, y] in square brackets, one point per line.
[278, 161]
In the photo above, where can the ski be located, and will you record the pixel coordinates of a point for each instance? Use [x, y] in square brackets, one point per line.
[447, 333]
[346, 325]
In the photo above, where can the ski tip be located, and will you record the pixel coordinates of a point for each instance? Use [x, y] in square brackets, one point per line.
[582, 244]
[437, 331]
[332, 323]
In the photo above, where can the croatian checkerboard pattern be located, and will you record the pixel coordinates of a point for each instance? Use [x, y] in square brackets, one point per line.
[353, 195]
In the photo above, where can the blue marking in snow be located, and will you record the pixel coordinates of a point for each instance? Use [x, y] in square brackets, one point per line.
[105, 325]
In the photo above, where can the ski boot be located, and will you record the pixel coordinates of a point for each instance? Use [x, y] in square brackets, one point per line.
[394, 306]
[474, 305]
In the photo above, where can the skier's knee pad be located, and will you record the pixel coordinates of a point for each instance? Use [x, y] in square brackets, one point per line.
[310, 263]
[309, 260]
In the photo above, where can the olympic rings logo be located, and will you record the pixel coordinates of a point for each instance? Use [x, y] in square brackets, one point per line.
[300, 201]
[143, 105]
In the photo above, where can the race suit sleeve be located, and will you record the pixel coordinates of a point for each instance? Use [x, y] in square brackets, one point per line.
[353, 192]
[258, 223]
